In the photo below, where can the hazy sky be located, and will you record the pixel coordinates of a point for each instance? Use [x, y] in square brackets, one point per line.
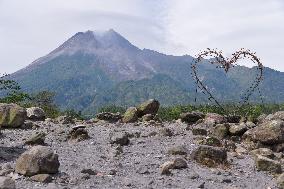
[30, 29]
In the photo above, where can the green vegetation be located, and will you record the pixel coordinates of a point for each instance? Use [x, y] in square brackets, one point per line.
[250, 111]
[10, 91]
[112, 109]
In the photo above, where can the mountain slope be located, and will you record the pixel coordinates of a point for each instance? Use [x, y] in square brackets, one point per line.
[93, 69]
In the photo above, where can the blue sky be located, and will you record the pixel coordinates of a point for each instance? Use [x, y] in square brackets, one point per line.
[30, 29]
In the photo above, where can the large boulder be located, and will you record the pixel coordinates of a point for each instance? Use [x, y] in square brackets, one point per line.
[213, 118]
[210, 156]
[149, 107]
[37, 160]
[191, 117]
[131, 115]
[269, 133]
[275, 116]
[12, 115]
[265, 164]
[109, 117]
[36, 114]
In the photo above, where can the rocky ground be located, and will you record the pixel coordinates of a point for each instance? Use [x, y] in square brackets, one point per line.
[144, 154]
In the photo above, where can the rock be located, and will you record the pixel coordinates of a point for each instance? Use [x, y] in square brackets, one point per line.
[148, 117]
[7, 183]
[280, 181]
[43, 178]
[275, 116]
[221, 131]
[37, 160]
[165, 168]
[210, 141]
[109, 117]
[271, 132]
[265, 164]
[131, 115]
[178, 163]
[78, 133]
[89, 172]
[198, 130]
[35, 114]
[166, 132]
[263, 152]
[12, 115]
[120, 138]
[65, 120]
[238, 130]
[36, 139]
[233, 118]
[178, 150]
[191, 117]
[213, 118]
[149, 107]
[261, 118]
[210, 156]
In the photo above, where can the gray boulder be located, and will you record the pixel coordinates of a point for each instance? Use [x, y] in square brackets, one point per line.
[210, 156]
[35, 113]
[270, 133]
[12, 115]
[149, 107]
[37, 160]
[131, 115]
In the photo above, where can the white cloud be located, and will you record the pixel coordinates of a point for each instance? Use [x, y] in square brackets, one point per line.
[193, 25]
[32, 28]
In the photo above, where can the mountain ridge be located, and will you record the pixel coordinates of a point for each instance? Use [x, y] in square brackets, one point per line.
[90, 69]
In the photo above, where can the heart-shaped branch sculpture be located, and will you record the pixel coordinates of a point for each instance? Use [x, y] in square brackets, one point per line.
[216, 57]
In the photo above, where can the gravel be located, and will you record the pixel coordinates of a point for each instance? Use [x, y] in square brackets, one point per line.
[137, 165]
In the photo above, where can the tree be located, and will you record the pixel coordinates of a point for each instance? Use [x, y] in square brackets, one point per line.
[10, 91]
[45, 100]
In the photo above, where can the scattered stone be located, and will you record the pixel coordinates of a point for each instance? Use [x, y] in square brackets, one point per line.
[191, 117]
[276, 116]
[213, 118]
[43, 178]
[197, 130]
[35, 114]
[221, 131]
[89, 172]
[210, 141]
[178, 150]
[36, 139]
[238, 130]
[280, 181]
[7, 183]
[37, 160]
[109, 117]
[149, 107]
[210, 156]
[120, 138]
[233, 118]
[148, 117]
[178, 163]
[265, 164]
[131, 115]
[271, 132]
[166, 132]
[65, 120]
[12, 115]
[78, 133]
[263, 152]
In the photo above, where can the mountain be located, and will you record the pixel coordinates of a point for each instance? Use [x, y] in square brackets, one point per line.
[94, 69]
